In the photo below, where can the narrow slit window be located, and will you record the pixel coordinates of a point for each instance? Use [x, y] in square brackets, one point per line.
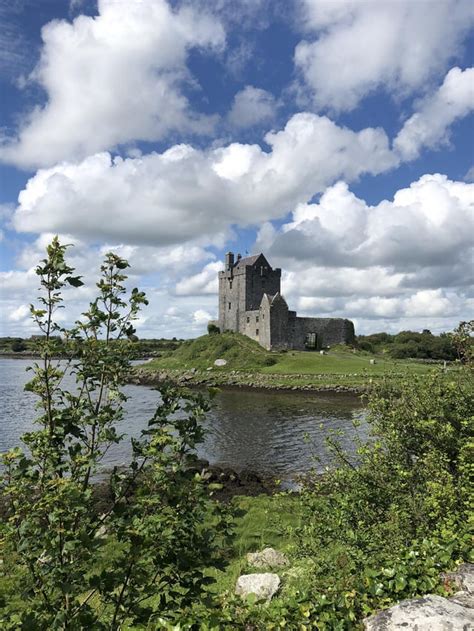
[256, 319]
[256, 331]
[230, 305]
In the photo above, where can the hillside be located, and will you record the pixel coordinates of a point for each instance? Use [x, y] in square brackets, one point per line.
[250, 364]
[240, 352]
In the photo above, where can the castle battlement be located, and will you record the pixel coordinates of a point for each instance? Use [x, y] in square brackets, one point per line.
[250, 302]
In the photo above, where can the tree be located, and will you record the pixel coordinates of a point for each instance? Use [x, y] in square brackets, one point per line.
[67, 565]
[18, 345]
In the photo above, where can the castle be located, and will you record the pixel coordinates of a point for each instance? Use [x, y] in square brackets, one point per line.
[250, 303]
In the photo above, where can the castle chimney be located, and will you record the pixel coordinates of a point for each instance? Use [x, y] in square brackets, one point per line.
[239, 256]
[229, 261]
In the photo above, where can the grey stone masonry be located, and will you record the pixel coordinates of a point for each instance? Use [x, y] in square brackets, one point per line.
[250, 303]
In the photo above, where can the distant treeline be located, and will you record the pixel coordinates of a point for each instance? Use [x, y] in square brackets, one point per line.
[404, 345]
[409, 345]
[144, 347]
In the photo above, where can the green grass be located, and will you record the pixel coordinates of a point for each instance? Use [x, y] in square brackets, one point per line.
[340, 366]
[262, 521]
[240, 352]
[340, 361]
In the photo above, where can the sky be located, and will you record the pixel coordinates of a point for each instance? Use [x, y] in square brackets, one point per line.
[334, 136]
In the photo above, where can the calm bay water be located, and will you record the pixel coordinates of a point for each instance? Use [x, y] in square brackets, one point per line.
[277, 433]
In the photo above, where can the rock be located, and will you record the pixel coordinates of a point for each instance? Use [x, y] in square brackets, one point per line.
[267, 558]
[220, 362]
[264, 586]
[430, 613]
[466, 599]
[372, 361]
[463, 577]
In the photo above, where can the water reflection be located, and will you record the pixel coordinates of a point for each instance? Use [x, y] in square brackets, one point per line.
[271, 432]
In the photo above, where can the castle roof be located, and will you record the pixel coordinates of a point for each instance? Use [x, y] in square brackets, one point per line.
[249, 260]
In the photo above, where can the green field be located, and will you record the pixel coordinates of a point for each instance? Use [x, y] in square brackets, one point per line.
[248, 362]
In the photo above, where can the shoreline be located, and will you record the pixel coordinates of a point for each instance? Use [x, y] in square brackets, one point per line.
[236, 380]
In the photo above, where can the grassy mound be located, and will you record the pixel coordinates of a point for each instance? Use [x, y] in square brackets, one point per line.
[240, 352]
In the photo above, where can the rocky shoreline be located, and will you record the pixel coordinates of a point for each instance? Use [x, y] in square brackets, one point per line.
[237, 379]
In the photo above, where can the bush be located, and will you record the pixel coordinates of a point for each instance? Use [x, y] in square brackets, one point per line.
[18, 345]
[144, 555]
[213, 329]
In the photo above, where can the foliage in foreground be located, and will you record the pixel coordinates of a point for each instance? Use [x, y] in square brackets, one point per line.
[65, 565]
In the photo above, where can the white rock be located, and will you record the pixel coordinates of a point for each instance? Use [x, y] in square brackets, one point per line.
[372, 361]
[466, 599]
[463, 577]
[267, 558]
[431, 613]
[264, 586]
[220, 362]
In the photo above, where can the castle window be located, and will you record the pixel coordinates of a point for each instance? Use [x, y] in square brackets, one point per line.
[263, 316]
[230, 284]
[256, 331]
[230, 305]
[248, 320]
[256, 319]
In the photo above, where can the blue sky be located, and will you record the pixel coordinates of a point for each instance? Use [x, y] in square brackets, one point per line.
[335, 136]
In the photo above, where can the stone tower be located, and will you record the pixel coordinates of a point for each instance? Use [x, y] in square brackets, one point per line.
[242, 286]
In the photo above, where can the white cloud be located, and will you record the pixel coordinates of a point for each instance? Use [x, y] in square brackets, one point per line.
[185, 194]
[251, 106]
[354, 47]
[20, 313]
[204, 282]
[429, 126]
[406, 262]
[201, 317]
[113, 79]
[430, 223]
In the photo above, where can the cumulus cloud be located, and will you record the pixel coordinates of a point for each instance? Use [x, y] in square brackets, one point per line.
[429, 126]
[21, 312]
[204, 282]
[429, 223]
[156, 270]
[407, 260]
[251, 106]
[353, 48]
[112, 79]
[201, 317]
[186, 193]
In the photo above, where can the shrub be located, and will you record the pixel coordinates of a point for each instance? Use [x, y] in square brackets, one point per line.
[18, 345]
[144, 555]
[213, 329]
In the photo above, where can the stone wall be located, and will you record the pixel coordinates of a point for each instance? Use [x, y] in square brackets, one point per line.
[260, 280]
[329, 331]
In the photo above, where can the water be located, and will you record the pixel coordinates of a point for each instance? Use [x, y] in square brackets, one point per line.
[276, 433]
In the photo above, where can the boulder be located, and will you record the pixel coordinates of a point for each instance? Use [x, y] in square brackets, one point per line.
[462, 578]
[264, 586]
[466, 599]
[267, 558]
[430, 613]
[220, 362]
